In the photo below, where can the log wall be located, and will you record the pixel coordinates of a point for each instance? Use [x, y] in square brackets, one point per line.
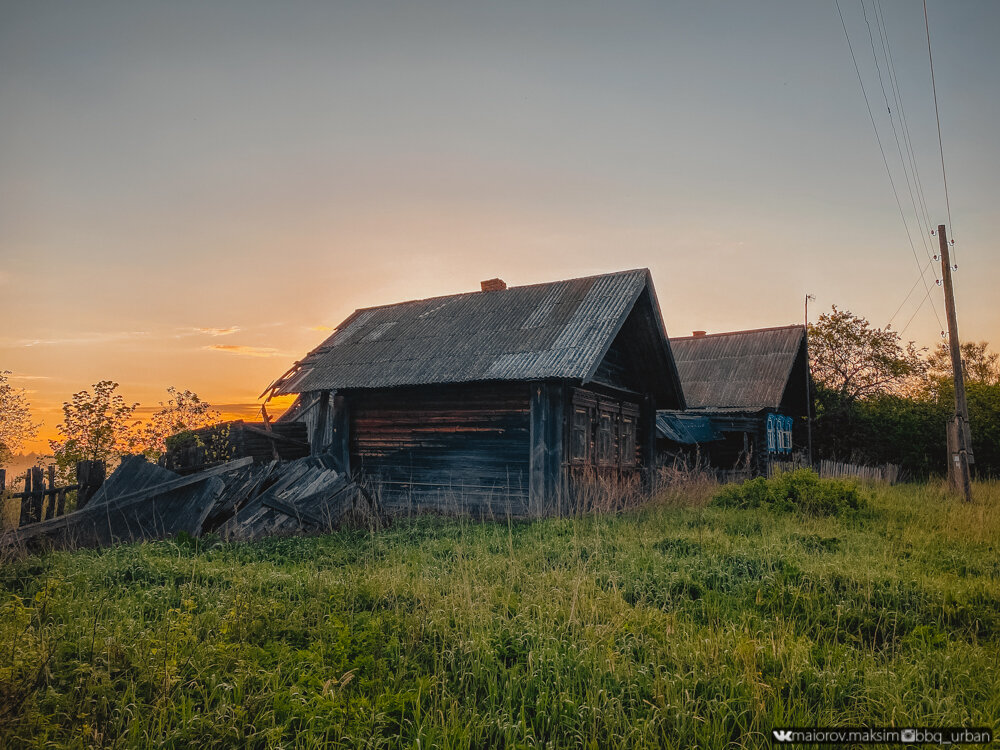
[454, 448]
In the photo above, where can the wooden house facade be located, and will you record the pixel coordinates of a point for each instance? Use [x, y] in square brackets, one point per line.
[749, 390]
[495, 402]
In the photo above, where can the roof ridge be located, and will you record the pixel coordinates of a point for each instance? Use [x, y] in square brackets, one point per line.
[508, 289]
[736, 333]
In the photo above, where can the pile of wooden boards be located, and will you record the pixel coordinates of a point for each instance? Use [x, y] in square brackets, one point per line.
[239, 500]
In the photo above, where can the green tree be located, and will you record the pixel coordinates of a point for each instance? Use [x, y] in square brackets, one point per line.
[183, 411]
[15, 418]
[979, 364]
[96, 426]
[981, 368]
[851, 359]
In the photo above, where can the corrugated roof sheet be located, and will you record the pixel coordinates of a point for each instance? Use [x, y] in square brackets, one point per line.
[688, 429]
[556, 330]
[745, 370]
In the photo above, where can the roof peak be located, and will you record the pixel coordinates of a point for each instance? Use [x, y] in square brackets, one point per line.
[736, 333]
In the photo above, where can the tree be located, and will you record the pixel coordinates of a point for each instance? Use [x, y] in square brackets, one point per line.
[96, 426]
[15, 418]
[982, 386]
[853, 360]
[979, 365]
[183, 411]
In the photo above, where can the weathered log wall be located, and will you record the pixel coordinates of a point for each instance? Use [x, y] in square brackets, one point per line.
[451, 447]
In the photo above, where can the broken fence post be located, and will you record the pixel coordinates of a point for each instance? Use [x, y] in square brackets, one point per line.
[89, 477]
[31, 498]
[25, 516]
[50, 505]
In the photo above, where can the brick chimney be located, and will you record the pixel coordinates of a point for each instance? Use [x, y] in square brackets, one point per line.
[698, 334]
[493, 285]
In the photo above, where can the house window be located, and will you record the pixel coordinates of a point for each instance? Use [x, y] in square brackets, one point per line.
[602, 432]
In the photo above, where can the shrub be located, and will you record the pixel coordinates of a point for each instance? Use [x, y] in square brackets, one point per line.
[800, 490]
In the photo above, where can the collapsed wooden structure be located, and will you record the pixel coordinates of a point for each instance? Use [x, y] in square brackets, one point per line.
[747, 393]
[242, 500]
[503, 402]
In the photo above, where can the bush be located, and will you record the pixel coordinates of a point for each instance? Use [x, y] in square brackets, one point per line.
[800, 490]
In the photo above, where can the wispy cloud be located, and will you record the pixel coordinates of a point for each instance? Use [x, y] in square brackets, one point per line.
[246, 351]
[30, 377]
[98, 337]
[206, 331]
[219, 331]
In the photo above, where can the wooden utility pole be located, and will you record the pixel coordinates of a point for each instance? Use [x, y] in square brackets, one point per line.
[809, 416]
[959, 451]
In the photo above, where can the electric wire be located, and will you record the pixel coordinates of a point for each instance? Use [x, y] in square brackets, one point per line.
[892, 124]
[937, 117]
[898, 96]
[916, 310]
[907, 297]
[885, 161]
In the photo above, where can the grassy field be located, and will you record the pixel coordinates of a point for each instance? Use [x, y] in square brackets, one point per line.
[679, 625]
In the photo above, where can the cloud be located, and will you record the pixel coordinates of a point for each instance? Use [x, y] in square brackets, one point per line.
[30, 377]
[206, 331]
[246, 351]
[100, 337]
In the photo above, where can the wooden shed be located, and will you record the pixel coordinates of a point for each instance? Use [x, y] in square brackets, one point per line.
[752, 388]
[497, 401]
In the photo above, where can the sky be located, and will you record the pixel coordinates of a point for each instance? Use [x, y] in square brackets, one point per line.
[194, 194]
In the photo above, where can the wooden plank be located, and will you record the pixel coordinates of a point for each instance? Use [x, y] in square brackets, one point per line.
[180, 482]
[148, 516]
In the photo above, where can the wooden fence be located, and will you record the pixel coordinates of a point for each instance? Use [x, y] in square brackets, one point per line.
[887, 473]
[41, 499]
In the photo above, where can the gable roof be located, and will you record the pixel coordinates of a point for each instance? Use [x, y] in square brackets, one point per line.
[747, 370]
[556, 330]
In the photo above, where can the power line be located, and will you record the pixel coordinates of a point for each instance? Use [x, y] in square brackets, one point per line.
[898, 96]
[892, 121]
[885, 161]
[921, 304]
[912, 288]
[937, 117]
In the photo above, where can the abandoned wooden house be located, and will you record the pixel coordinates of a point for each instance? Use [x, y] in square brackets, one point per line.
[501, 401]
[746, 395]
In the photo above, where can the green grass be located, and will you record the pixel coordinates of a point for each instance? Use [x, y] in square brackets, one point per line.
[668, 627]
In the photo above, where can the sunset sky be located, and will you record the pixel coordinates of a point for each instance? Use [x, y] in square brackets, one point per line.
[194, 193]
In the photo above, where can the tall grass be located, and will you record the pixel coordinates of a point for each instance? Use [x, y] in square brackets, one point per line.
[667, 626]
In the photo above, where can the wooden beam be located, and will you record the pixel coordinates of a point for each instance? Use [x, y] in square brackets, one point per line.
[274, 436]
[340, 439]
[546, 448]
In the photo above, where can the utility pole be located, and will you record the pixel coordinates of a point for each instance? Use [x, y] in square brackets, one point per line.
[809, 417]
[959, 450]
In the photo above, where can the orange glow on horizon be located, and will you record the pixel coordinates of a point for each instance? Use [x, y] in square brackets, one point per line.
[229, 412]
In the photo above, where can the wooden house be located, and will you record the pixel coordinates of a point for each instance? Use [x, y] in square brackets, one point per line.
[746, 395]
[498, 401]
